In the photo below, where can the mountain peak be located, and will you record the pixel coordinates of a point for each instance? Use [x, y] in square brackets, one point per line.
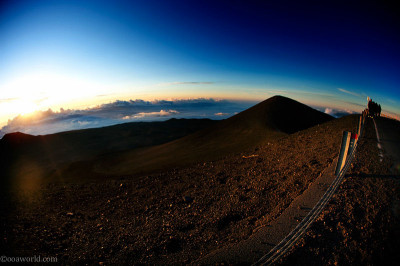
[281, 114]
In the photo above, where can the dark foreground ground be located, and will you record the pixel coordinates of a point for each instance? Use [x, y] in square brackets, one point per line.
[361, 224]
[178, 216]
[173, 217]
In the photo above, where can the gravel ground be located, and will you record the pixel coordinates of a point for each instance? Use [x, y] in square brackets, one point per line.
[174, 217]
[361, 224]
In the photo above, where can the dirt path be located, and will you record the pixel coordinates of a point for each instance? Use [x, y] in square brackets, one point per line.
[389, 134]
[268, 236]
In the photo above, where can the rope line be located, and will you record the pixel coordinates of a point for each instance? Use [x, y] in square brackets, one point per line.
[282, 247]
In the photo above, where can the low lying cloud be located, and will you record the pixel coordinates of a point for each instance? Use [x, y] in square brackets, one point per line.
[189, 83]
[328, 111]
[221, 114]
[47, 122]
[161, 113]
[337, 112]
[83, 123]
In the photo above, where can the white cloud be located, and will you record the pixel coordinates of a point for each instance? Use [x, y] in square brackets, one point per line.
[161, 113]
[328, 111]
[338, 112]
[221, 114]
[83, 123]
[187, 83]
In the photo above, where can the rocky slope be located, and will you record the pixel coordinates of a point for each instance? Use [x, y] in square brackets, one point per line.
[175, 216]
[361, 225]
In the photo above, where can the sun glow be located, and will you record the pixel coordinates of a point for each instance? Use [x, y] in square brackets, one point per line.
[51, 86]
[43, 90]
[22, 106]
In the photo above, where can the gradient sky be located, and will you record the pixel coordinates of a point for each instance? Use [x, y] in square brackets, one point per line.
[76, 54]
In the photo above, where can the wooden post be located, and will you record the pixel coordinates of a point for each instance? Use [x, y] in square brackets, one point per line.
[364, 118]
[353, 141]
[343, 151]
[360, 122]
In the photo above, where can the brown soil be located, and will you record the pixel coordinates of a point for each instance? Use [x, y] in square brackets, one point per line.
[176, 216]
[361, 224]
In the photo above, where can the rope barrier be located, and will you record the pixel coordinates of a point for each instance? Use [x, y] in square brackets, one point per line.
[279, 250]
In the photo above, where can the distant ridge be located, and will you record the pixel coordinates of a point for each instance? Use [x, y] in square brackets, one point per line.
[55, 152]
[271, 119]
[16, 138]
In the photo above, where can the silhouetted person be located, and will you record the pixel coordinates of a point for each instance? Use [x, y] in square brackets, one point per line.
[371, 107]
[374, 109]
[375, 106]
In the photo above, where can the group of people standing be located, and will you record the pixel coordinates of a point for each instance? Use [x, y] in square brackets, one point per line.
[374, 109]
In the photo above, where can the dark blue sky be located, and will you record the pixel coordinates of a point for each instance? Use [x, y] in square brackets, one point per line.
[76, 53]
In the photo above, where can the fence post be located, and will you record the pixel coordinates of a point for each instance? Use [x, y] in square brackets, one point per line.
[343, 151]
[360, 124]
[353, 140]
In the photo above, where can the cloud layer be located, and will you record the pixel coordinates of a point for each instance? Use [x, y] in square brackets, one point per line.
[189, 83]
[161, 113]
[47, 122]
[337, 112]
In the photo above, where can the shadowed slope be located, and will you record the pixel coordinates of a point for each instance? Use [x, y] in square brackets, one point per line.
[81, 144]
[267, 121]
[24, 155]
